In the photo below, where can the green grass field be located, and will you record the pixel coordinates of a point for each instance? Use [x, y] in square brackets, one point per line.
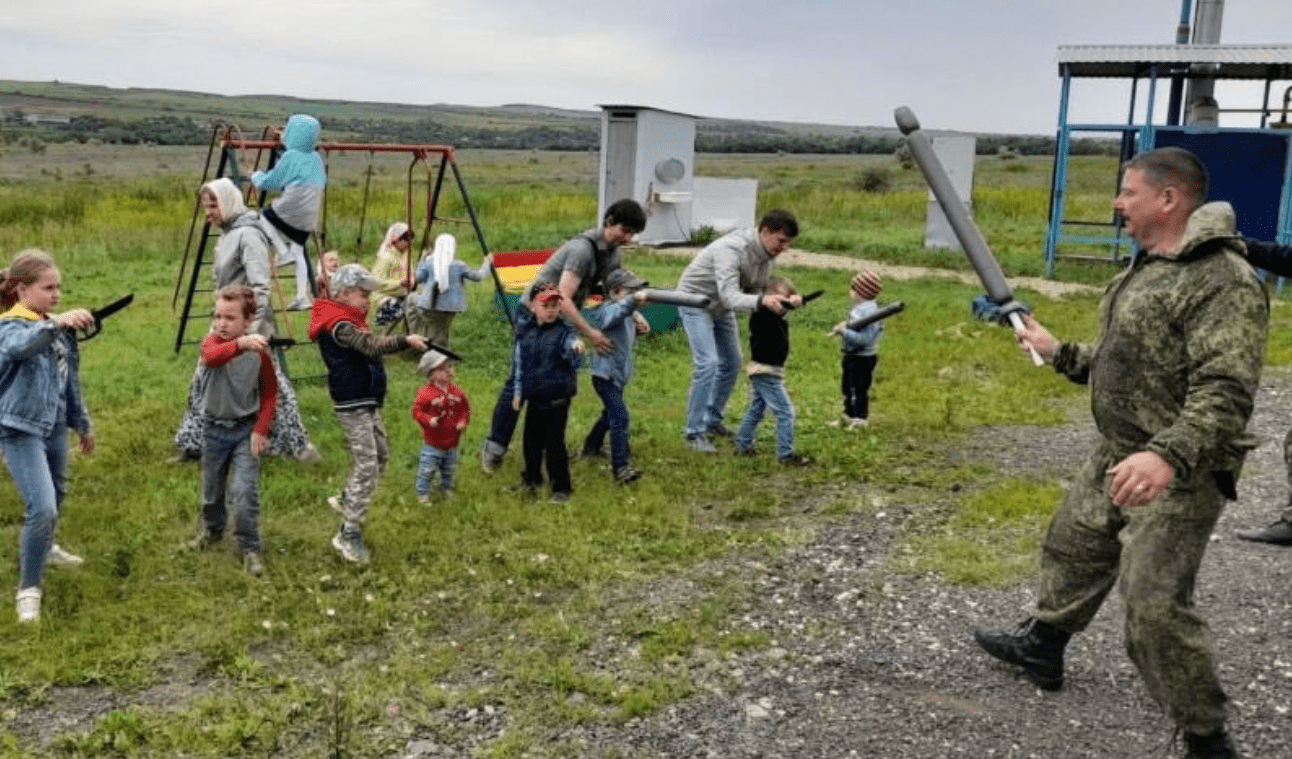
[490, 600]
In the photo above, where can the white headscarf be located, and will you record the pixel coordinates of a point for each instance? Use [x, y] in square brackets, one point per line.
[227, 197]
[391, 265]
[396, 231]
[442, 259]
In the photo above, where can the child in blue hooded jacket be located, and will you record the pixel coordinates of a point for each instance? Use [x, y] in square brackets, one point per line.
[300, 177]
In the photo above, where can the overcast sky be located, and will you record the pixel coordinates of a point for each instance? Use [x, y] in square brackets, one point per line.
[972, 65]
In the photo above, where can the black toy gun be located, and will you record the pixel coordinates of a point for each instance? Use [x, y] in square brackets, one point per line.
[891, 309]
[788, 305]
[100, 314]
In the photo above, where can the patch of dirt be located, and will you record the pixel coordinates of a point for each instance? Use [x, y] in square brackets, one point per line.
[867, 664]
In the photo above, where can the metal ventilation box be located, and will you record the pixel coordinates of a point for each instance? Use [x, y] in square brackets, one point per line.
[649, 155]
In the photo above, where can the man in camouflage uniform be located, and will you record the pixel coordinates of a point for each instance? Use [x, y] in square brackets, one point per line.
[1172, 381]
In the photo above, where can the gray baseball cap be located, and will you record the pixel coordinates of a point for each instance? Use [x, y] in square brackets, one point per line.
[624, 278]
[354, 275]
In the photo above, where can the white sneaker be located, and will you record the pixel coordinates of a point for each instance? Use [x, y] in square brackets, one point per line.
[61, 557]
[29, 605]
[335, 502]
[856, 421]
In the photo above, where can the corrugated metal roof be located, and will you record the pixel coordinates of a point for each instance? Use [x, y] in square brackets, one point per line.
[1133, 61]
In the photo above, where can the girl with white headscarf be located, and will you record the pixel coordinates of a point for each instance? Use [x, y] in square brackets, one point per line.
[392, 268]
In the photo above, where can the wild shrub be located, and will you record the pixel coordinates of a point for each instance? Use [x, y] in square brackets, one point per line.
[875, 179]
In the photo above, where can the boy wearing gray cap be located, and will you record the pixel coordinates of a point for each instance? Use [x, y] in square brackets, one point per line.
[611, 371]
[356, 380]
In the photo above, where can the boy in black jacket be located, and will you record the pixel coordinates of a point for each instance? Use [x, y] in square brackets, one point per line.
[544, 361]
[769, 347]
[356, 380]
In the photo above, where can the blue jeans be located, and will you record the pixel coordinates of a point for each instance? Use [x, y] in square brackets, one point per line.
[715, 354]
[435, 460]
[613, 419]
[767, 391]
[39, 468]
[231, 476]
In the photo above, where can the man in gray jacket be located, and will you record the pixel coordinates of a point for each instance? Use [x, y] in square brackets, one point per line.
[732, 271]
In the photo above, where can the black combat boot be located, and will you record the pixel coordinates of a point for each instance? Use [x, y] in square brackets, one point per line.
[1037, 647]
[1217, 745]
[1279, 533]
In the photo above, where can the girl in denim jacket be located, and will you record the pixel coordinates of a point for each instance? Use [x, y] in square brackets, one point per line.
[40, 399]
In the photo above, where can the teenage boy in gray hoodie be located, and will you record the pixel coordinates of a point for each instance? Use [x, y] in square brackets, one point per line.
[732, 271]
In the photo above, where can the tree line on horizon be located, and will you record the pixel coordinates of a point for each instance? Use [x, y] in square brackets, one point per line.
[714, 137]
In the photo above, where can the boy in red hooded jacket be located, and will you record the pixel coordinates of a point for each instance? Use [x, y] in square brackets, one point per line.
[356, 380]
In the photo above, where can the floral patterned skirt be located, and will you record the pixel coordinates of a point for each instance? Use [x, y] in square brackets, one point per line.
[287, 437]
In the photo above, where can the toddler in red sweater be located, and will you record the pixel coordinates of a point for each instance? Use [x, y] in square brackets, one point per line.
[441, 409]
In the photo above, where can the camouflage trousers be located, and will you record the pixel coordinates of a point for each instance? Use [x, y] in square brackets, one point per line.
[1152, 553]
[369, 452]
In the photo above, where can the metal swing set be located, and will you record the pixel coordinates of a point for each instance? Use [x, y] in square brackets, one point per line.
[226, 156]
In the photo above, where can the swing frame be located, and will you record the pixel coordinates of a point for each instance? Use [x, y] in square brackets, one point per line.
[230, 144]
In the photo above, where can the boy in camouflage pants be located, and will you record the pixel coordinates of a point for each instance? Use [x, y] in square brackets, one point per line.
[356, 380]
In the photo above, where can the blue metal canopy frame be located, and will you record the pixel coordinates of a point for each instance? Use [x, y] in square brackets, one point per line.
[1157, 62]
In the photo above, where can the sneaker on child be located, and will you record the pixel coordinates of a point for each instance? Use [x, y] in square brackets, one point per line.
[700, 443]
[205, 539]
[28, 605]
[251, 564]
[349, 542]
[626, 474]
[61, 557]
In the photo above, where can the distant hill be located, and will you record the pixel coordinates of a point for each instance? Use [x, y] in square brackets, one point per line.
[61, 112]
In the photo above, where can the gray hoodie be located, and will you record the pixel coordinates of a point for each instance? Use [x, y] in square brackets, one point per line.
[731, 270]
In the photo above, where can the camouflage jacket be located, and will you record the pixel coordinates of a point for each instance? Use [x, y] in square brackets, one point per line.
[1178, 359]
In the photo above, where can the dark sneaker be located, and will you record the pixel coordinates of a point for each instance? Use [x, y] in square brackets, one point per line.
[1217, 745]
[592, 453]
[204, 540]
[349, 543]
[1036, 647]
[626, 474]
[795, 459]
[251, 564]
[718, 429]
[1279, 533]
[746, 452]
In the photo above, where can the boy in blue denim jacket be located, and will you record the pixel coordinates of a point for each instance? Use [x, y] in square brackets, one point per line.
[611, 371]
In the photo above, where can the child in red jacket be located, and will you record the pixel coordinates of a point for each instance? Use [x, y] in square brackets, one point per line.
[441, 409]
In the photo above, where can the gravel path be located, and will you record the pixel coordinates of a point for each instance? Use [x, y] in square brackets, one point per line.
[867, 664]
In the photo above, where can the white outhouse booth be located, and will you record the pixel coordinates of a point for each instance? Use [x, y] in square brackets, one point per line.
[649, 155]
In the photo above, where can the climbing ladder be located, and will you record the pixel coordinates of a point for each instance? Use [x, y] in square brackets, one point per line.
[228, 143]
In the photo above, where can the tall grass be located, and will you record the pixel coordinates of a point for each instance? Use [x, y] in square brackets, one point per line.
[538, 614]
